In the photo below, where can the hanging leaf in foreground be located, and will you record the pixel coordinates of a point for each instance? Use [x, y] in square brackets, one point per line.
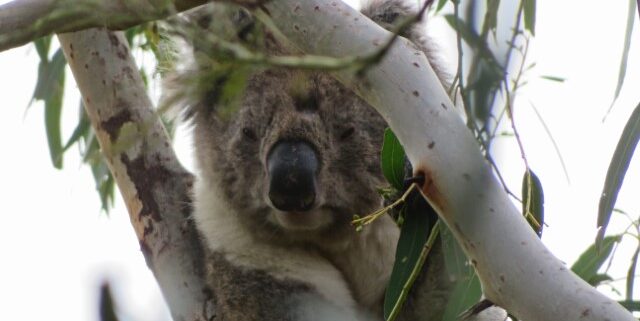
[533, 201]
[617, 170]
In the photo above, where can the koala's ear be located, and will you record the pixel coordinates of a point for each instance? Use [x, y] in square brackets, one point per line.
[389, 13]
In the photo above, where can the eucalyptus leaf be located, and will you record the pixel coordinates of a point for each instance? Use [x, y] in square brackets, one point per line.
[598, 279]
[533, 201]
[52, 94]
[467, 290]
[631, 274]
[82, 129]
[466, 293]
[42, 47]
[622, 71]
[466, 32]
[588, 264]
[553, 78]
[418, 223]
[530, 16]
[491, 16]
[440, 5]
[630, 305]
[617, 170]
[392, 159]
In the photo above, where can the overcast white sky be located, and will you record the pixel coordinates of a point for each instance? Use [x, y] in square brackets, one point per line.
[57, 246]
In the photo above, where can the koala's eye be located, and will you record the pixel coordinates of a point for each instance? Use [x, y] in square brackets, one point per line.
[308, 102]
[347, 133]
[249, 133]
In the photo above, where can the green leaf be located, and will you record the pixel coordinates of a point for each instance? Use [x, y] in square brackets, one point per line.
[466, 32]
[466, 293]
[81, 130]
[105, 184]
[42, 47]
[588, 264]
[491, 16]
[454, 258]
[533, 201]
[415, 231]
[52, 95]
[392, 159]
[631, 14]
[617, 170]
[553, 78]
[599, 279]
[440, 5]
[530, 16]
[630, 305]
[631, 273]
[467, 290]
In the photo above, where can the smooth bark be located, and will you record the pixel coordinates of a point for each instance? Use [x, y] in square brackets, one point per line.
[22, 21]
[154, 186]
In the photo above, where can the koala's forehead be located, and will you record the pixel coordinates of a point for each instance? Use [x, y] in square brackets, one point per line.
[300, 91]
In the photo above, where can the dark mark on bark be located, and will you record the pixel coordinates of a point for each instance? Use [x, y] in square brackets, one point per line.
[431, 145]
[416, 93]
[443, 105]
[431, 191]
[128, 72]
[148, 229]
[466, 176]
[148, 255]
[416, 64]
[112, 125]
[113, 39]
[146, 177]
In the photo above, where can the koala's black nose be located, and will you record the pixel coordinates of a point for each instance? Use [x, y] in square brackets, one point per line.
[292, 167]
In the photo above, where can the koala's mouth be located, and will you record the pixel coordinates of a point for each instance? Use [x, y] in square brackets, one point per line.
[312, 220]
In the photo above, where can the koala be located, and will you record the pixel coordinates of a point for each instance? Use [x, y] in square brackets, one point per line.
[281, 171]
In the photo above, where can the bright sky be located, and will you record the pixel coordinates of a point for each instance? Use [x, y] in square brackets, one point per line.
[57, 246]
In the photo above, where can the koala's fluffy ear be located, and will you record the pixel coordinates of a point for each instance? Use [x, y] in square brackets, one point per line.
[390, 13]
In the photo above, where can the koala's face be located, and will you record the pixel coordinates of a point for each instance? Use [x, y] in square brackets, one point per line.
[299, 157]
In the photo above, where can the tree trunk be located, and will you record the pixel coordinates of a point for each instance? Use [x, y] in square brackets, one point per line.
[154, 186]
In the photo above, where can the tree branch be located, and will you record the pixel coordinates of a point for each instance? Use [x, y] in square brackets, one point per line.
[22, 21]
[516, 270]
[155, 187]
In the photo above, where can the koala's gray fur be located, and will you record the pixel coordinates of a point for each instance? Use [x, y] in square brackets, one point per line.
[270, 265]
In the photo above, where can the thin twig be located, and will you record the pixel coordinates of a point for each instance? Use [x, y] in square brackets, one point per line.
[360, 222]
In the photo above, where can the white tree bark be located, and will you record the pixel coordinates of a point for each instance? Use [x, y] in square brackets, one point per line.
[154, 186]
[516, 270]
